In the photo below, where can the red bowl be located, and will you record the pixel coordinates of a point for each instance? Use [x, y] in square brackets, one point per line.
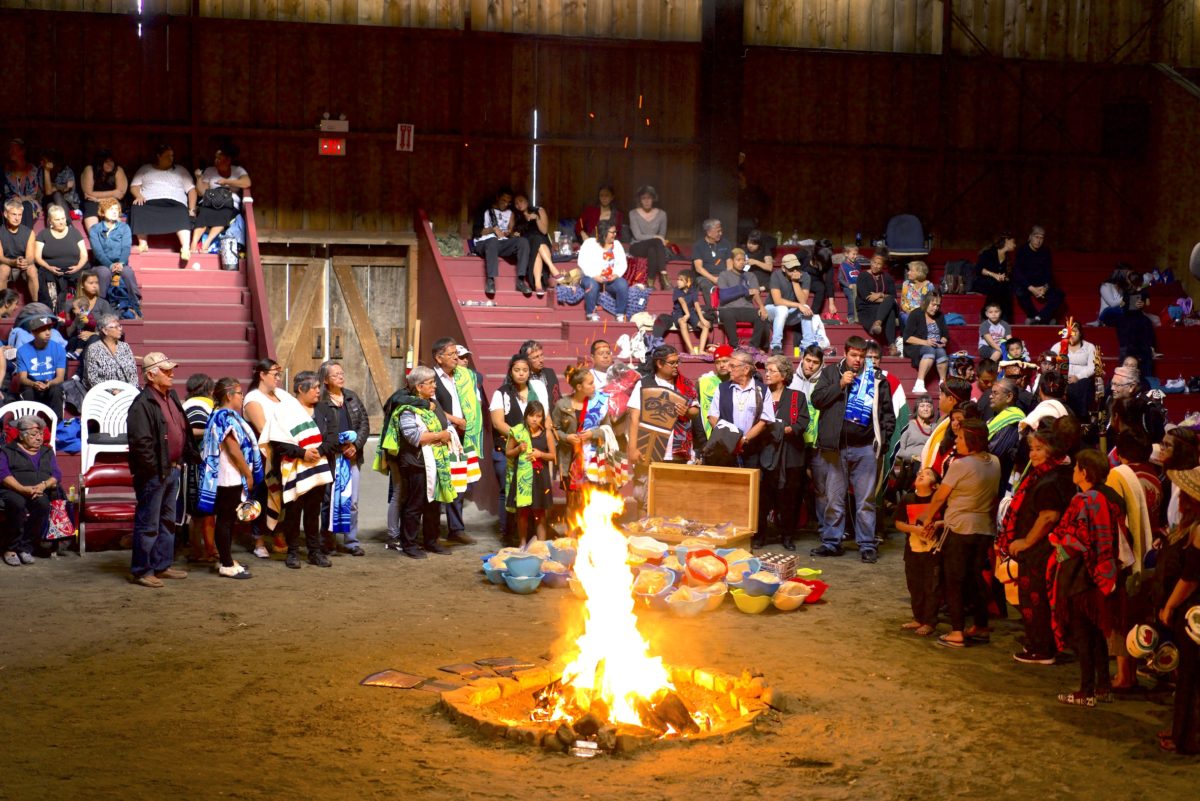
[818, 589]
[696, 578]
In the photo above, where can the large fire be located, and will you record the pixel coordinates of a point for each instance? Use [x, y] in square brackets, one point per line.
[613, 673]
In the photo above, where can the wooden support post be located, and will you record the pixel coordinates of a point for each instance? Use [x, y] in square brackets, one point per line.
[380, 375]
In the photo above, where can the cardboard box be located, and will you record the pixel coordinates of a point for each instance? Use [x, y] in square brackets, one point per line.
[712, 495]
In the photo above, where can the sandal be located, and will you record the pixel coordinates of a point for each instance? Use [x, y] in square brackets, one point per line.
[1077, 699]
[924, 631]
[910, 625]
[1167, 744]
[948, 643]
[978, 634]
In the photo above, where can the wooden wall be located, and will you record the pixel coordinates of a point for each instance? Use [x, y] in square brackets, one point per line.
[1170, 185]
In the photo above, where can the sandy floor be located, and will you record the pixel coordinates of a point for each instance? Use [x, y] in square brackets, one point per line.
[212, 688]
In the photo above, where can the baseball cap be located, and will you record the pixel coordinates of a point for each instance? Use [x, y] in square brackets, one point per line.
[156, 360]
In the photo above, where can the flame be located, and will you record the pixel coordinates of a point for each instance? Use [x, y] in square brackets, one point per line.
[614, 666]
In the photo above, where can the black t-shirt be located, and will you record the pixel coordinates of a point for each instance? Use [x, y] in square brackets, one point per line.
[781, 281]
[14, 244]
[1052, 493]
[911, 507]
[60, 252]
[712, 256]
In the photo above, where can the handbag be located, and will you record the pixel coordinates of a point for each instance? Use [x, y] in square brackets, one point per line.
[60, 526]
[217, 197]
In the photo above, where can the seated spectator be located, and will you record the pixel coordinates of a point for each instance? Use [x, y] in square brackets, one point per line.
[29, 481]
[22, 183]
[42, 367]
[915, 287]
[993, 275]
[821, 269]
[925, 338]
[101, 179]
[875, 302]
[495, 239]
[58, 183]
[648, 232]
[1112, 297]
[788, 305]
[760, 255]
[1033, 280]
[110, 359]
[1135, 333]
[993, 331]
[164, 201]
[60, 255]
[9, 301]
[602, 261]
[217, 208]
[1081, 373]
[741, 302]
[710, 255]
[587, 226]
[533, 224]
[689, 311]
[17, 249]
[849, 264]
[111, 242]
[86, 310]
[29, 317]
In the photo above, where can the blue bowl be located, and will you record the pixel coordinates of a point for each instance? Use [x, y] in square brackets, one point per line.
[523, 585]
[485, 559]
[564, 556]
[754, 587]
[494, 574]
[657, 600]
[524, 566]
[752, 566]
[557, 581]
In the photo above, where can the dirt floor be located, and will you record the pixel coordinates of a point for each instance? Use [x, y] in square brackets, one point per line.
[212, 688]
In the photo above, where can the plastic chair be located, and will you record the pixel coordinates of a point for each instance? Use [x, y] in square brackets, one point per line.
[905, 237]
[113, 507]
[107, 403]
[23, 408]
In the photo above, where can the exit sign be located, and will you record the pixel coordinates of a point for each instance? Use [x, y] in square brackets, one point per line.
[331, 147]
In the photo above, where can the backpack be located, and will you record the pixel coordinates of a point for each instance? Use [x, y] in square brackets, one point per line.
[123, 301]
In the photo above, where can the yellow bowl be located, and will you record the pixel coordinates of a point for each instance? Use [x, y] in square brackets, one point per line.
[750, 604]
[790, 596]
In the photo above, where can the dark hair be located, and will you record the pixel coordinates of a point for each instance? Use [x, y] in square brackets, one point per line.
[646, 190]
[930, 297]
[1066, 432]
[987, 366]
[1013, 341]
[261, 366]
[304, 381]
[1053, 385]
[8, 296]
[822, 257]
[199, 385]
[576, 373]
[533, 407]
[1133, 446]
[602, 229]
[855, 343]
[1186, 453]
[814, 350]
[755, 237]
[528, 345]
[228, 148]
[597, 343]
[1094, 465]
[223, 389]
[508, 382]
[975, 434]
[998, 242]
[957, 387]
[160, 148]
[440, 345]
[690, 275]
[873, 347]
[85, 274]
[969, 410]
[661, 354]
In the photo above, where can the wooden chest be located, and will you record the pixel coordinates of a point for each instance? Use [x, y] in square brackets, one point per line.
[712, 495]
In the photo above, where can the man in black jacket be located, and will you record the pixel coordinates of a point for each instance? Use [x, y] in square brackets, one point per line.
[160, 443]
[856, 423]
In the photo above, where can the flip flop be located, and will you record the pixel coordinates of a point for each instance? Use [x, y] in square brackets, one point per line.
[950, 643]
[1077, 699]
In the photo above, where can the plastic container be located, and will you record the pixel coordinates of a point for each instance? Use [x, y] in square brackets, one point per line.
[688, 608]
[753, 586]
[698, 578]
[524, 566]
[746, 567]
[750, 604]
[716, 595]
[494, 574]
[523, 585]
[565, 556]
[790, 596]
[657, 600]
[556, 581]
[817, 586]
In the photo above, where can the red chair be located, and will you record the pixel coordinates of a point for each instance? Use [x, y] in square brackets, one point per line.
[112, 506]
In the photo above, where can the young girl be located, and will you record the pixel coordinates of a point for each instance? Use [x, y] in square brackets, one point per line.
[922, 565]
[527, 480]
[688, 311]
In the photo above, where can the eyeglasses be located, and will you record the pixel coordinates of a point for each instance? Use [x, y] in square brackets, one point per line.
[672, 363]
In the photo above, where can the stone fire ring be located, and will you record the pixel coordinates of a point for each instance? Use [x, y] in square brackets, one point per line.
[743, 700]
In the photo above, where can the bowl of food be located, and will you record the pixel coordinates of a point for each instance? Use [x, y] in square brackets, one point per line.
[790, 596]
[744, 567]
[816, 588]
[494, 574]
[651, 587]
[564, 550]
[687, 602]
[523, 585]
[705, 567]
[715, 595]
[524, 565]
[750, 604]
[556, 574]
[762, 582]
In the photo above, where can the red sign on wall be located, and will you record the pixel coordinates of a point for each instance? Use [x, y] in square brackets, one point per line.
[331, 147]
[404, 137]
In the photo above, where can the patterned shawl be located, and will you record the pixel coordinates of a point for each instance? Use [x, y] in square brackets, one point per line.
[342, 498]
[1008, 527]
[1088, 531]
[468, 399]
[682, 439]
[518, 475]
[220, 423]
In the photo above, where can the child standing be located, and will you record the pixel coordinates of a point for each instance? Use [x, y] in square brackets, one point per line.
[688, 311]
[993, 331]
[922, 565]
[529, 449]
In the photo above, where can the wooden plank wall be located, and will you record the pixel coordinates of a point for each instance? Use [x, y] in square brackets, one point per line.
[1172, 178]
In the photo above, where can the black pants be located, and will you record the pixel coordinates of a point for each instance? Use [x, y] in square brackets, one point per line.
[492, 249]
[1080, 397]
[1035, 599]
[52, 396]
[1091, 646]
[885, 312]
[1054, 298]
[821, 288]
[419, 515]
[923, 574]
[26, 518]
[761, 338]
[225, 509]
[307, 505]
[964, 558]
[655, 254]
[783, 500]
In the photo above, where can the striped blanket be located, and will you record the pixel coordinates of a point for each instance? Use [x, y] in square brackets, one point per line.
[291, 424]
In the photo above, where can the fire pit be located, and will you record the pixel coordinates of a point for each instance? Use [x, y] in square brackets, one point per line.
[612, 694]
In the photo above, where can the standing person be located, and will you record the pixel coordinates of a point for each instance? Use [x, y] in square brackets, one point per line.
[1085, 572]
[1033, 280]
[1180, 591]
[786, 455]
[856, 419]
[100, 180]
[576, 420]
[1037, 505]
[343, 407]
[710, 254]
[507, 409]
[922, 563]
[112, 242]
[602, 261]
[29, 481]
[741, 302]
[159, 445]
[533, 224]
[527, 492]
[231, 466]
[17, 248]
[745, 402]
[968, 495]
[41, 367]
[495, 239]
[300, 449]
[993, 275]
[198, 406]
[875, 303]
[926, 336]
[707, 384]
[60, 254]
[648, 229]
[665, 361]
[164, 201]
[602, 359]
[542, 379]
[417, 438]
[1004, 426]
[260, 407]
[461, 400]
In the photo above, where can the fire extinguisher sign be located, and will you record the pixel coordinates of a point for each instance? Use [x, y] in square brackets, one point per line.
[404, 137]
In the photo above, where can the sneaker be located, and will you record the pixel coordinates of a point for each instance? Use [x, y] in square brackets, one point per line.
[236, 571]
[869, 555]
[461, 537]
[594, 318]
[620, 318]
[262, 553]
[11, 559]
[148, 580]
[827, 550]
[489, 286]
[293, 560]
[1027, 657]
[356, 550]
[918, 388]
[437, 548]
[26, 558]
[900, 344]
[319, 559]
[413, 553]
[171, 573]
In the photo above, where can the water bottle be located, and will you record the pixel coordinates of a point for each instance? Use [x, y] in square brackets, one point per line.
[229, 253]
[72, 502]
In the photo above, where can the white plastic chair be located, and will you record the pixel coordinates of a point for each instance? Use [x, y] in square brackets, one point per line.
[108, 404]
[22, 408]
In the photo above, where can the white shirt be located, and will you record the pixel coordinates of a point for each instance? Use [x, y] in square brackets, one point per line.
[600, 377]
[212, 174]
[494, 218]
[802, 384]
[743, 408]
[448, 383]
[227, 472]
[538, 385]
[1082, 363]
[173, 184]
[502, 403]
[592, 262]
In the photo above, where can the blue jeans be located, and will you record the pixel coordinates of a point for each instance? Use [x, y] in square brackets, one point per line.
[833, 472]
[786, 317]
[618, 288]
[937, 354]
[154, 525]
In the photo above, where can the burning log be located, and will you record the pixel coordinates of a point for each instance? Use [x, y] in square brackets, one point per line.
[588, 725]
[650, 717]
[671, 710]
